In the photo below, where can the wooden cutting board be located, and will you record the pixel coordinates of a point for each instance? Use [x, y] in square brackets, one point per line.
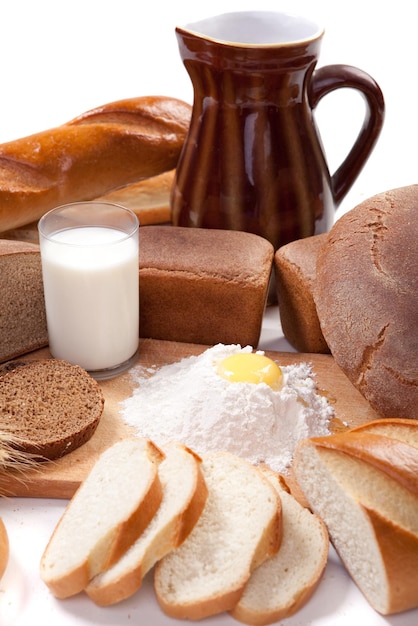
[60, 479]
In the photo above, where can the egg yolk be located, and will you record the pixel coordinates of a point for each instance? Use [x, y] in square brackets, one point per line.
[249, 367]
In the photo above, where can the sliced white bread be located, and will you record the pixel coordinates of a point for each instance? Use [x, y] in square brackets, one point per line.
[184, 497]
[364, 484]
[108, 512]
[240, 528]
[285, 582]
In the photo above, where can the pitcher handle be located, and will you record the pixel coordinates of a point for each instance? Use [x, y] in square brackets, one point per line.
[331, 77]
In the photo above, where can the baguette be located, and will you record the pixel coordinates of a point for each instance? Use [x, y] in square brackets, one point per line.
[4, 548]
[184, 497]
[240, 527]
[109, 147]
[364, 484]
[108, 512]
[149, 199]
[284, 583]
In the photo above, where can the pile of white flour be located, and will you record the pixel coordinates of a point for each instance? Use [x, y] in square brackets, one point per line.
[189, 402]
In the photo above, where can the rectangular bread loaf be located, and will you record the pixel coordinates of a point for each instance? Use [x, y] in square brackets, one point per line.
[203, 286]
[22, 309]
[196, 286]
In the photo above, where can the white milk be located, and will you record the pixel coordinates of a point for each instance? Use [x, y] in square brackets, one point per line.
[91, 280]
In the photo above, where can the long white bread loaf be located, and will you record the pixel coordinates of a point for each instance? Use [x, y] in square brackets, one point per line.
[101, 150]
[240, 528]
[108, 512]
[184, 497]
[285, 582]
[149, 199]
[364, 484]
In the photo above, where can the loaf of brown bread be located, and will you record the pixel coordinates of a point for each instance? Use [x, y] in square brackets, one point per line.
[48, 407]
[196, 285]
[203, 286]
[106, 148]
[295, 275]
[366, 296]
[22, 308]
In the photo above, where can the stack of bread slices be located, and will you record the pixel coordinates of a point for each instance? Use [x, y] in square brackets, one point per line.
[219, 533]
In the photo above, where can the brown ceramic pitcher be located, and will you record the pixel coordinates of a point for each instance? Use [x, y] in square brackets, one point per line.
[253, 159]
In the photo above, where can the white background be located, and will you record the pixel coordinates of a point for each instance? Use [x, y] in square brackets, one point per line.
[59, 59]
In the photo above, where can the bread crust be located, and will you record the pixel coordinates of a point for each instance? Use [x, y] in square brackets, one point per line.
[295, 276]
[399, 549]
[101, 150]
[4, 548]
[367, 299]
[379, 452]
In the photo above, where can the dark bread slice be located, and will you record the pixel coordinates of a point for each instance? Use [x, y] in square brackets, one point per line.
[49, 406]
[366, 296]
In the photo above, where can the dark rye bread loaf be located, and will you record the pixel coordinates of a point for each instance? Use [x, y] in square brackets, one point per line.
[367, 299]
[49, 406]
[22, 308]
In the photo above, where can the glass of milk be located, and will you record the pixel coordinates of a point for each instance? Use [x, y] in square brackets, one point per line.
[90, 269]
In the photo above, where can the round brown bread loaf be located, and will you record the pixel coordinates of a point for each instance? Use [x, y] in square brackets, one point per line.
[367, 299]
[49, 407]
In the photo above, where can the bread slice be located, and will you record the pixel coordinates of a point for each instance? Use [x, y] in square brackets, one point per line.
[22, 307]
[108, 512]
[239, 528]
[4, 548]
[365, 487]
[184, 497]
[49, 406]
[285, 582]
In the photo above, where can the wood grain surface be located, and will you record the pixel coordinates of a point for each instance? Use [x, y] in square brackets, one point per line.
[60, 479]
